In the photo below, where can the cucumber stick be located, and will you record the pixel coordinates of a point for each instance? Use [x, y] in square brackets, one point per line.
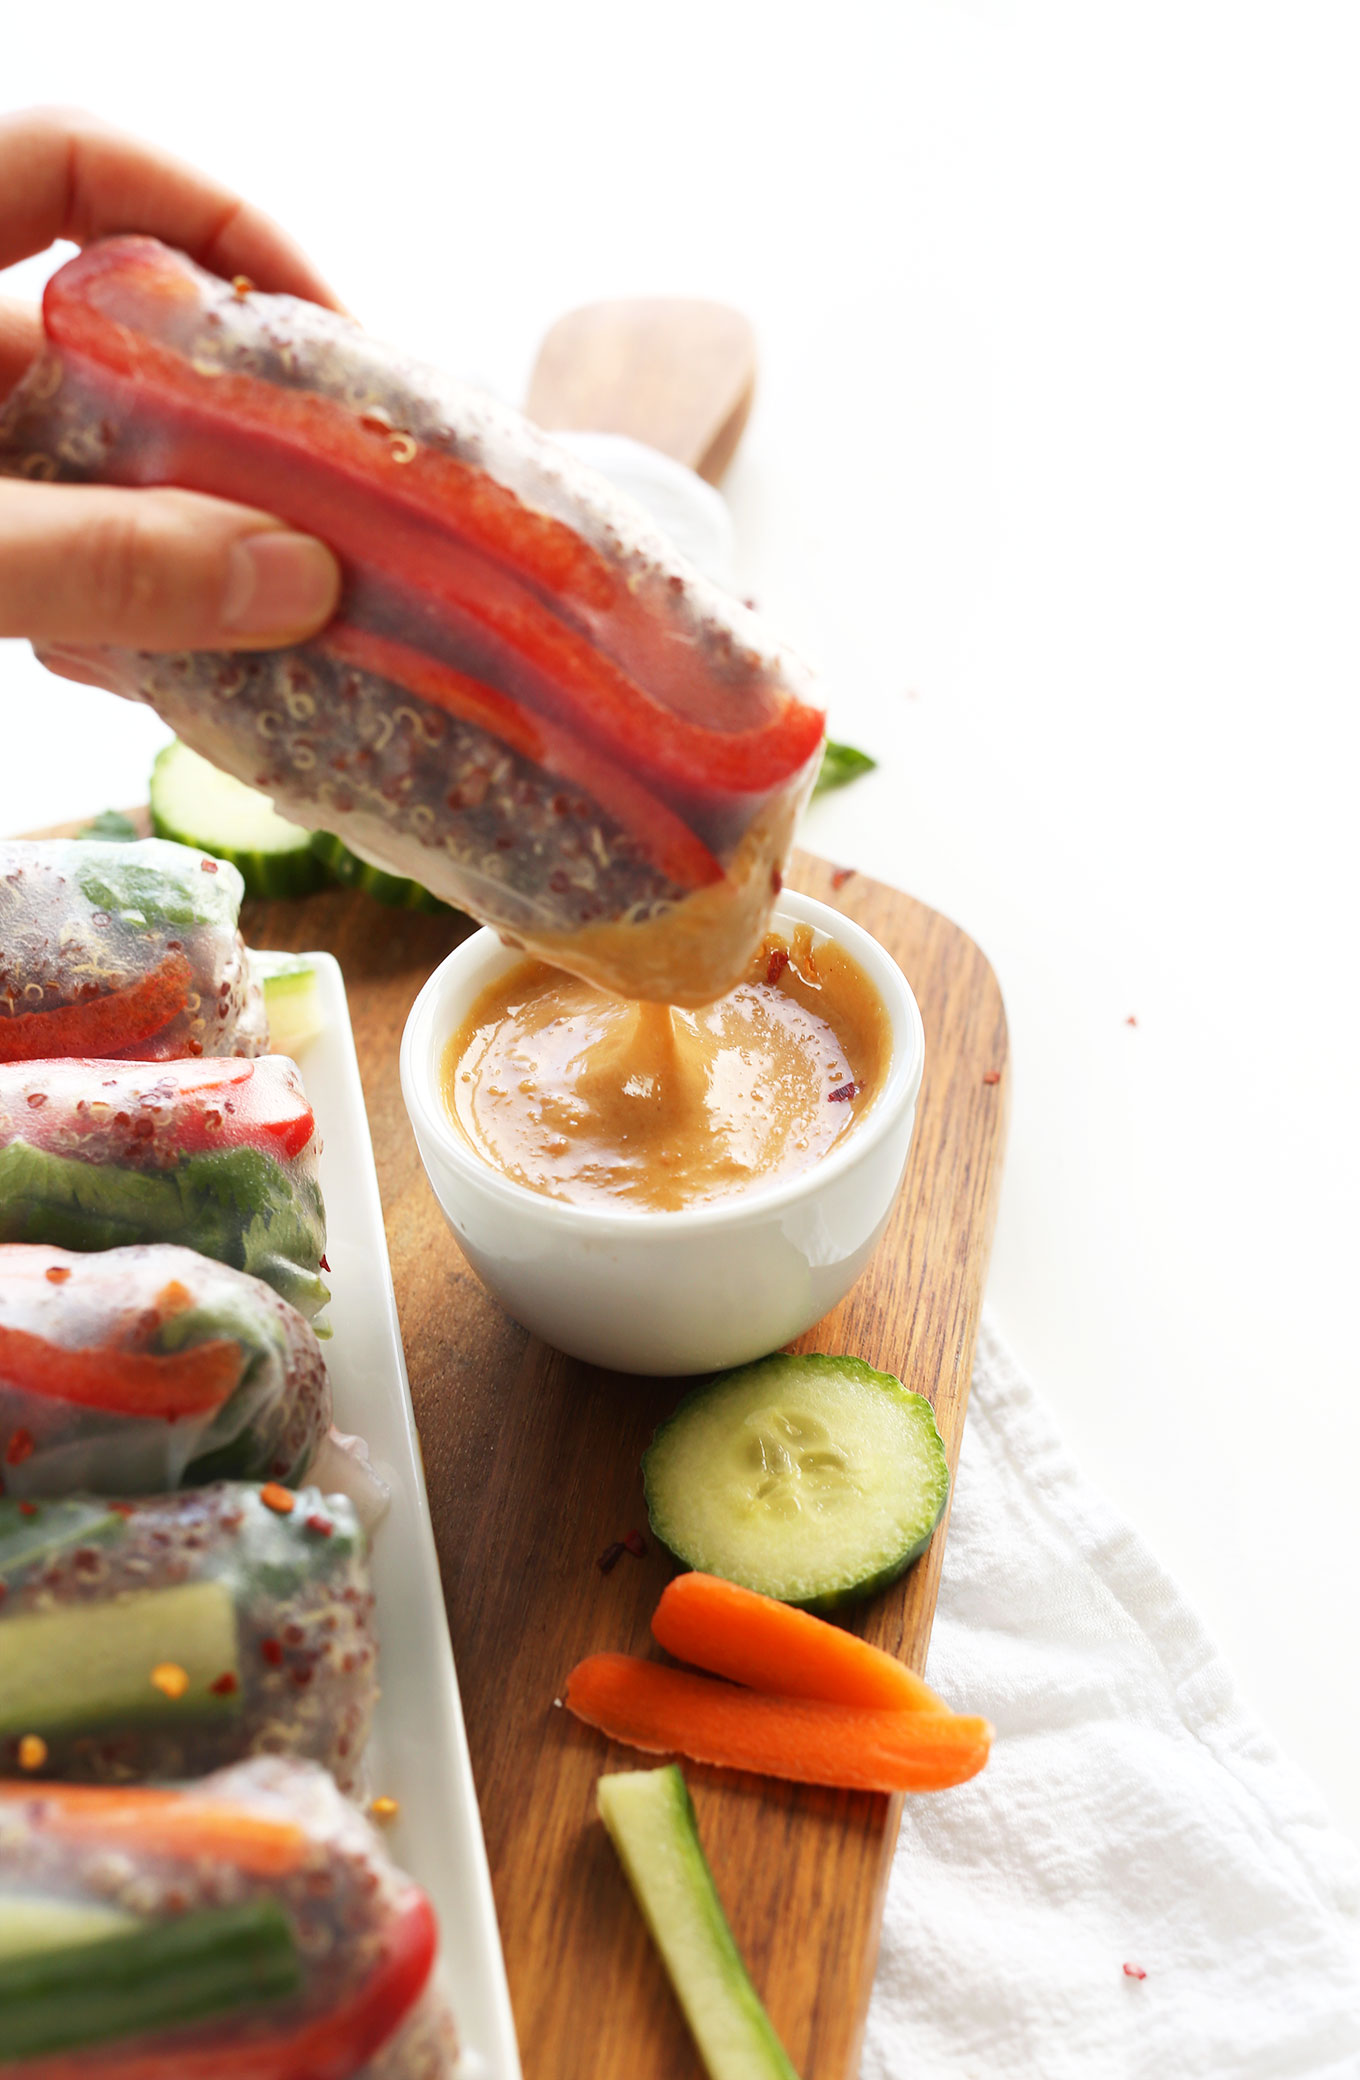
[32, 1921]
[89, 1665]
[162, 1975]
[292, 1000]
[196, 805]
[650, 1819]
[810, 1478]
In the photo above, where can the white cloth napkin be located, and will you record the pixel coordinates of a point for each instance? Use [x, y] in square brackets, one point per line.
[1133, 1813]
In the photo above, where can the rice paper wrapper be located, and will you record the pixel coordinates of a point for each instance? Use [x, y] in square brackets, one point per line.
[528, 701]
[136, 1371]
[217, 1154]
[368, 2004]
[122, 950]
[170, 1636]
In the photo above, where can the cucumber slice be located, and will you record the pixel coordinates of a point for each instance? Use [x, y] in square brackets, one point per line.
[32, 1921]
[650, 1819]
[194, 804]
[162, 1975]
[88, 1666]
[356, 872]
[813, 1479]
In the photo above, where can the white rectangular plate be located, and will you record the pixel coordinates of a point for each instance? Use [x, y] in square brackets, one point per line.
[419, 1752]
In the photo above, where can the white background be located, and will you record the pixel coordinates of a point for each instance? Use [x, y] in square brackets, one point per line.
[1055, 469]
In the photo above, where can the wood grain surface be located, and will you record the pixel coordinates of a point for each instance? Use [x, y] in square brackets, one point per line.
[532, 1464]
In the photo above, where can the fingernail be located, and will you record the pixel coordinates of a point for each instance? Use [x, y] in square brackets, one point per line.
[282, 585]
[86, 667]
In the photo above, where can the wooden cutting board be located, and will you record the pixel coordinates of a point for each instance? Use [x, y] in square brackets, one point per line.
[532, 1464]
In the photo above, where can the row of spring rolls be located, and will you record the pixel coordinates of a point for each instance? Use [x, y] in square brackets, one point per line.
[187, 1653]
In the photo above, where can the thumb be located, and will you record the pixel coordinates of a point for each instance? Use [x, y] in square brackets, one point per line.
[156, 570]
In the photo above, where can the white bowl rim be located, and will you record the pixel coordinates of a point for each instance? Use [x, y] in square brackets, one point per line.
[898, 1094]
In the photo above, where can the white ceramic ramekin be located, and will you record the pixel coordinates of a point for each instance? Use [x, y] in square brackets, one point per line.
[659, 1292]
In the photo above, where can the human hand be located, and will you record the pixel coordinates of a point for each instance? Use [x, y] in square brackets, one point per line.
[86, 565]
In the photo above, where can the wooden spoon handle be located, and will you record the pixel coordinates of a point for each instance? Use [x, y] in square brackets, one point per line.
[676, 373]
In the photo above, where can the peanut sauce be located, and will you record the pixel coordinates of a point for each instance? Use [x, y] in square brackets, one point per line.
[594, 1099]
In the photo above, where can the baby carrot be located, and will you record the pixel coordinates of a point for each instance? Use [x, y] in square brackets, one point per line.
[668, 1711]
[770, 1646]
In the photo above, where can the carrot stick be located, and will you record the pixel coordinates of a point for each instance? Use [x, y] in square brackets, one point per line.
[770, 1646]
[164, 1823]
[670, 1712]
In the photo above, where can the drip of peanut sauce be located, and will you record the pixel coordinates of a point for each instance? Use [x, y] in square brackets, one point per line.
[604, 1102]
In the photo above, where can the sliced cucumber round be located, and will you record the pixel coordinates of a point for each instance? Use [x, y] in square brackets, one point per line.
[813, 1478]
[392, 889]
[196, 805]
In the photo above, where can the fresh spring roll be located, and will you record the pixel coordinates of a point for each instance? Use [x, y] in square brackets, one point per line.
[126, 950]
[135, 1371]
[219, 1155]
[528, 701]
[171, 1636]
[249, 1925]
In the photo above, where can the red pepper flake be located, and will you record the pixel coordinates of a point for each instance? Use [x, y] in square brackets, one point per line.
[302, 1677]
[992, 1076]
[207, 866]
[840, 1095]
[324, 1265]
[636, 1544]
[271, 1651]
[280, 1500]
[37, 1098]
[841, 875]
[779, 960]
[1130, 1020]
[1134, 1971]
[322, 1526]
[241, 285]
[28, 1509]
[57, 1274]
[611, 1556]
[19, 1448]
[122, 1509]
[224, 1685]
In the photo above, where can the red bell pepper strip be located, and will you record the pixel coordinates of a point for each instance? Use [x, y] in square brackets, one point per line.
[333, 2046]
[265, 1109]
[210, 1103]
[517, 586]
[101, 1025]
[161, 1385]
[670, 844]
